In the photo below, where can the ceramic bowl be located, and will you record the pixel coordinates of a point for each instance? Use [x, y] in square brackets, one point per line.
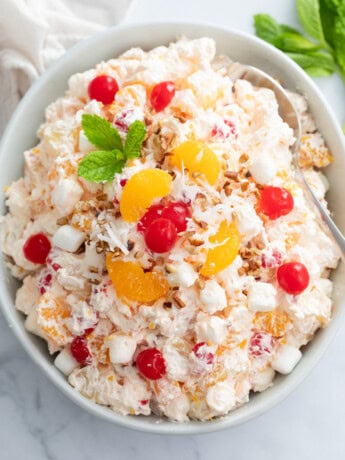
[21, 135]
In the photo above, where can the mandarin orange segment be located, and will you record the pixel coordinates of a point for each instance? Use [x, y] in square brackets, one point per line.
[141, 190]
[197, 158]
[226, 246]
[272, 322]
[132, 283]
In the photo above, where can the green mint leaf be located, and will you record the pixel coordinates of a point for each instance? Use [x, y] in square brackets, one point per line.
[309, 15]
[134, 140]
[101, 133]
[328, 13]
[316, 64]
[266, 27]
[101, 165]
[339, 39]
[294, 42]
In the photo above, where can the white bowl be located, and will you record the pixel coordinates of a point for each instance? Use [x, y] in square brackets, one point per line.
[20, 135]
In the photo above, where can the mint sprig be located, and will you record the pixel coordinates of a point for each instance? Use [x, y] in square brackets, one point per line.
[320, 51]
[102, 165]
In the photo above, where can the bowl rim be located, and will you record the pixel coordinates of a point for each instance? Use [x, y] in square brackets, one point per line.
[238, 416]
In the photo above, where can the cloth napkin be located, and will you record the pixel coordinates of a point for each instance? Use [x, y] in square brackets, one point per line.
[34, 33]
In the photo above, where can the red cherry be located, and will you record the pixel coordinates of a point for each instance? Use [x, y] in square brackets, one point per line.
[162, 95]
[261, 344]
[151, 363]
[293, 277]
[36, 248]
[123, 182]
[161, 235]
[103, 88]
[276, 202]
[80, 350]
[178, 213]
[154, 212]
[201, 351]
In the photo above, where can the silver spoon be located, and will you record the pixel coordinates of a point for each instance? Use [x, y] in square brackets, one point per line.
[289, 114]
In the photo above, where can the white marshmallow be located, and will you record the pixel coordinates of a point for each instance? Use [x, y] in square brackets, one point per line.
[65, 195]
[184, 276]
[211, 329]
[178, 408]
[213, 297]
[221, 397]
[84, 144]
[177, 364]
[65, 362]
[68, 238]
[262, 297]
[121, 348]
[248, 222]
[286, 359]
[263, 168]
[262, 379]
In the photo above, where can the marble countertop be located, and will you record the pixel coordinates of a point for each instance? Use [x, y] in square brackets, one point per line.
[38, 423]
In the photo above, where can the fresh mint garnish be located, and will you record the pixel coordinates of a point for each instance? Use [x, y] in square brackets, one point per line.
[102, 165]
[135, 137]
[320, 51]
[101, 133]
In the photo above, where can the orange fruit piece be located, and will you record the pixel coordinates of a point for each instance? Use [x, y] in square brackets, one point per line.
[273, 322]
[197, 158]
[140, 191]
[132, 283]
[226, 246]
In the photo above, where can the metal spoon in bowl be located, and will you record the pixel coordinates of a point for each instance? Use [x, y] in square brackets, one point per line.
[289, 114]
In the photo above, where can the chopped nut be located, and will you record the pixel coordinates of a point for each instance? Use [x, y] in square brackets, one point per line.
[93, 269]
[195, 242]
[62, 221]
[167, 304]
[243, 158]
[231, 174]
[179, 302]
[200, 283]
[227, 189]
[95, 281]
[244, 186]
[139, 254]
[170, 268]
[130, 245]
[201, 223]
[159, 260]
[241, 271]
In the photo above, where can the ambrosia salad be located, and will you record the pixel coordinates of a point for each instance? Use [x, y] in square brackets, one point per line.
[168, 256]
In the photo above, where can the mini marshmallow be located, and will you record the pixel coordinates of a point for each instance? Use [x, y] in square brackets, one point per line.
[286, 359]
[121, 348]
[211, 329]
[66, 195]
[262, 297]
[213, 297]
[262, 379]
[68, 238]
[184, 276]
[248, 222]
[65, 362]
[221, 397]
[262, 168]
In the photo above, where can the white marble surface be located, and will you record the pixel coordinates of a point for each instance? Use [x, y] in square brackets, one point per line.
[39, 423]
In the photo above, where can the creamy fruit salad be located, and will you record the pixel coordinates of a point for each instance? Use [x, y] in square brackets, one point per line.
[168, 256]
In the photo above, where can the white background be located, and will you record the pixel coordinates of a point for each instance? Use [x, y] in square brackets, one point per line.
[39, 423]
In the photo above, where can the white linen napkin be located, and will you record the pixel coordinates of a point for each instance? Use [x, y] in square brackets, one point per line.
[34, 33]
